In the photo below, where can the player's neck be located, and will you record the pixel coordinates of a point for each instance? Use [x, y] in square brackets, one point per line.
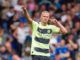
[44, 24]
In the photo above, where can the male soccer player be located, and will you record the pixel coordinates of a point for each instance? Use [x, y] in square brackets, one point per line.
[41, 34]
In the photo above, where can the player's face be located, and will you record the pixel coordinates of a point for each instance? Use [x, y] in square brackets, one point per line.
[44, 17]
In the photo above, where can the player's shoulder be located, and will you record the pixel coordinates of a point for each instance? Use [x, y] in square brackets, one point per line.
[35, 23]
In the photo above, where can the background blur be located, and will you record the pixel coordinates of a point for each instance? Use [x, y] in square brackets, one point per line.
[15, 32]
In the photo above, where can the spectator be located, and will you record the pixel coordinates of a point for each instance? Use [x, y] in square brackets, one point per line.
[72, 45]
[62, 52]
[3, 36]
[20, 35]
[15, 57]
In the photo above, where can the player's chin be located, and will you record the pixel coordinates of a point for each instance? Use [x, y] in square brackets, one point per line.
[45, 22]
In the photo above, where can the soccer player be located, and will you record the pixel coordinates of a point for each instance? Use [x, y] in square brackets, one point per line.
[41, 34]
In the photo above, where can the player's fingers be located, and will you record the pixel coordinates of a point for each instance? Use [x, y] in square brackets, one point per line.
[24, 8]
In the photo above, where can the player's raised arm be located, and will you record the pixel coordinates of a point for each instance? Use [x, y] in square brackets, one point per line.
[27, 14]
[62, 28]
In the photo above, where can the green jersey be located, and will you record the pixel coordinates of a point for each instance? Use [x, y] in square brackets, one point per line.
[40, 38]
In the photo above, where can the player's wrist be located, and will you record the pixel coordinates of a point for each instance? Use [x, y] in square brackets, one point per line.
[57, 23]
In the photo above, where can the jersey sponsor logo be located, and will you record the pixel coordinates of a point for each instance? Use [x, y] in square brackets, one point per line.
[44, 31]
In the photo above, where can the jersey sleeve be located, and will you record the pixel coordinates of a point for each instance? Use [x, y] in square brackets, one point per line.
[55, 29]
[34, 24]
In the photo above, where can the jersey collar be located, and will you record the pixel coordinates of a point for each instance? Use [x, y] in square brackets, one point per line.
[41, 24]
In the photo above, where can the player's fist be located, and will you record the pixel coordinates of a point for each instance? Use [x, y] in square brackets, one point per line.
[23, 7]
[54, 21]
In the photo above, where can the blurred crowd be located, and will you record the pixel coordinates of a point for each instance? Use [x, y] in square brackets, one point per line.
[15, 31]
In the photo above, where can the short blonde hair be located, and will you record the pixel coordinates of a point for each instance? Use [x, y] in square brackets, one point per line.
[44, 12]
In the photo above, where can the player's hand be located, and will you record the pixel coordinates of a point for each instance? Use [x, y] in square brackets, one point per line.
[23, 8]
[53, 21]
